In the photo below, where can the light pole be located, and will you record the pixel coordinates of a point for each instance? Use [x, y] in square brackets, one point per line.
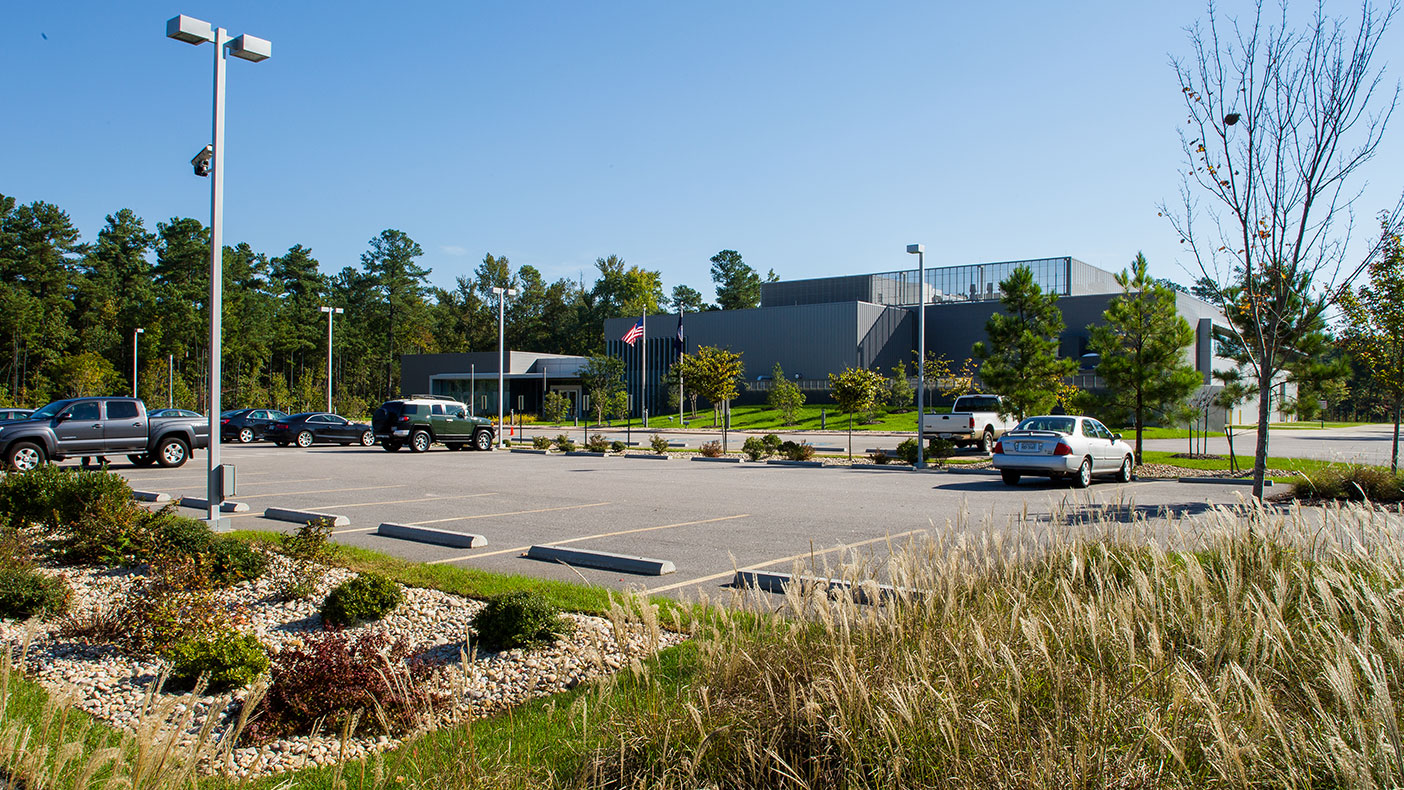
[170, 381]
[502, 294]
[139, 332]
[920, 251]
[210, 162]
[330, 311]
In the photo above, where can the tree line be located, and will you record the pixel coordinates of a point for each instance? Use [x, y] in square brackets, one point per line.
[70, 310]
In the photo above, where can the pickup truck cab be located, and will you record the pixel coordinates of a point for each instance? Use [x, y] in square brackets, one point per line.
[974, 420]
[78, 427]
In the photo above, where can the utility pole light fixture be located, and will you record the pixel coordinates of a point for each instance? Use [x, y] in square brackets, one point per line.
[502, 295]
[135, 334]
[919, 250]
[330, 311]
[210, 162]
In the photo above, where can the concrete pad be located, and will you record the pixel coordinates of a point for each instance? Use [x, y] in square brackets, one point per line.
[304, 516]
[654, 457]
[227, 506]
[601, 559]
[150, 496]
[781, 462]
[440, 537]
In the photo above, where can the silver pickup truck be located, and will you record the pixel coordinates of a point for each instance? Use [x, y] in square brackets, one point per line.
[78, 427]
[974, 420]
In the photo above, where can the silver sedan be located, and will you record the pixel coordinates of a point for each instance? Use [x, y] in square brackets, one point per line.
[1059, 446]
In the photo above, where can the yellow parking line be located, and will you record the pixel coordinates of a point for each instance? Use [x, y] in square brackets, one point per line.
[511, 513]
[791, 558]
[520, 549]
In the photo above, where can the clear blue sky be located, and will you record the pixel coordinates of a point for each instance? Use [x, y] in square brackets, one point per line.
[817, 138]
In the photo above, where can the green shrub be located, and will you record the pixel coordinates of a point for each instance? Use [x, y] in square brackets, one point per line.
[712, 449]
[225, 559]
[556, 407]
[940, 449]
[879, 457]
[565, 444]
[617, 446]
[227, 660]
[1351, 482]
[802, 451]
[176, 600]
[541, 442]
[597, 444]
[89, 514]
[231, 561]
[309, 549]
[521, 619]
[25, 593]
[772, 443]
[907, 451]
[754, 448]
[659, 443]
[369, 596]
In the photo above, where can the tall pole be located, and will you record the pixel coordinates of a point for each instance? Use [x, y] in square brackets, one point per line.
[135, 350]
[330, 311]
[170, 381]
[213, 493]
[643, 369]
[472, 386]
[502, 294]
[920, 251]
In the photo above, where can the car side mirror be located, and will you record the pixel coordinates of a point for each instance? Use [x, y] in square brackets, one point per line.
[1116, 437]
[64, 416]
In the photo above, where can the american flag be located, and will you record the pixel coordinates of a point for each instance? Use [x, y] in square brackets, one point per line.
[633, 334]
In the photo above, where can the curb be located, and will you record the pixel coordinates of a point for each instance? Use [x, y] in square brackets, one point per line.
[530, 451]
[439, 537]
[664, 457]
[722, 460]
[1224, 481]
[592, 454]
[601, 559]
[885, 467]
[777, 582]
[778, 462]
[304, 516]
[227, 506]
[150, 496]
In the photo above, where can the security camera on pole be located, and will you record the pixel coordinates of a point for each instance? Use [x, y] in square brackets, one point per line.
[210, 163]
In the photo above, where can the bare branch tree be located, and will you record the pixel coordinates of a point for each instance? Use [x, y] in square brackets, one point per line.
[1280, 121]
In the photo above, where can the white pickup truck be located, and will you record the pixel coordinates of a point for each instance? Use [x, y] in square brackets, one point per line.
[974, 420]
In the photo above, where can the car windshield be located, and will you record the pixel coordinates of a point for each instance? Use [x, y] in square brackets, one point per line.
[51, 410]
[234, 413]
[1059, 424]
[977, 403]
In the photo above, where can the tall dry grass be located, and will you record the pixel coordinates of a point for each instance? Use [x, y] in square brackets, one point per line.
[1265, 651]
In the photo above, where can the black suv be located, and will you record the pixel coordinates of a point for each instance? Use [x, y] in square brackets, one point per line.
[421, 420]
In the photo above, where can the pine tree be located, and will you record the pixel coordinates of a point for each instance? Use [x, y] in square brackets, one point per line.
[1020, 362]
[1143, 345]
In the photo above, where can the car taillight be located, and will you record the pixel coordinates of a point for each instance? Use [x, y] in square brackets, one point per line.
[972, 423]
[999, 448]
[224, 421]
[404, 419]
[1063, 448]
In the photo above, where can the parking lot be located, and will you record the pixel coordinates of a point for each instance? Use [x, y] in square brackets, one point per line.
[708, 519]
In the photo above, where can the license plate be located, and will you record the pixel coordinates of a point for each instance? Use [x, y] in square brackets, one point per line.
[1028, 447]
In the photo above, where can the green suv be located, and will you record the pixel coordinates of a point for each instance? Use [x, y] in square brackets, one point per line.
[422, 420]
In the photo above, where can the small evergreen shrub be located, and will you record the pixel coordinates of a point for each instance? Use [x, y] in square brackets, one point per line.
[597, 444]
[565, 444]
[89, 515]
[659, 443]
[333, 677]
[231, 561]
[26, 593]
[309, 549]
[226, 659]
[879, 457]
[940, 449]
[227, 560]
[772, 443]
[907, 451]
[369, 596]
[541, 442]
[754, 448]
[712, 449]
[521, 619]
[617, 446]
[802, 451]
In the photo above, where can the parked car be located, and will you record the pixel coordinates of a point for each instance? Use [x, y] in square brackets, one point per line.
[318, 426]
[175, 413]
[422, 420]
[247, 425]
[84, 427]
[14, 414]
[974, 420]
[1059, 446]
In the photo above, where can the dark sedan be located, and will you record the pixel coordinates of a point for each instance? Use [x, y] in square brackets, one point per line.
[247, 425]
[15, 414]
[316, 426]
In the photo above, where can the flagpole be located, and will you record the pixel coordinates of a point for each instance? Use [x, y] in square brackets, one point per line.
[643, 369]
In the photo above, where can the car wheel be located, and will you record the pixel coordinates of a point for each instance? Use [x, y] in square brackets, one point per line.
[1084, 474]
[172, 452]
[1010, 478]
[304, 439]
[25, 456]
[482, 440]
[987, 442]
[367, 439]
[245, 435]
[1124, 475]
[141, 460]
[419, 441]
[391, 447]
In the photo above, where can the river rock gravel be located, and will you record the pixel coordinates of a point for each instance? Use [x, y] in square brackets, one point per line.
[117, 686]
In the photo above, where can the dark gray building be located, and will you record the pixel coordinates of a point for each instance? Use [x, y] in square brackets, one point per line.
[472, 378]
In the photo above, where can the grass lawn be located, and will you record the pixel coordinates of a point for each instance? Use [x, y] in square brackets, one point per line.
[764, 418]
[1245, 461]
[1304, 426]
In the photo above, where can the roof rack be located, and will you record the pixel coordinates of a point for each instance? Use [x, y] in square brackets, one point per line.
[429, 397]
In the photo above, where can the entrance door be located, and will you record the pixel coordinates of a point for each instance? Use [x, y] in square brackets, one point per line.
[573, 395]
